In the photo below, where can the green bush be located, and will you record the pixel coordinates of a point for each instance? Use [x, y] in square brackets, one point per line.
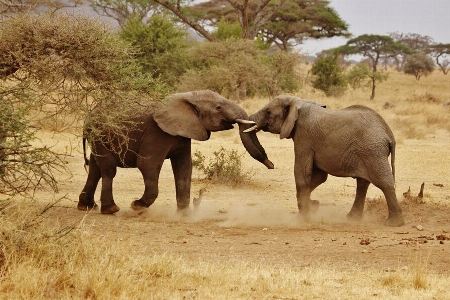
[225, 166]
[328, 76]
[161, 47]
[238, 68]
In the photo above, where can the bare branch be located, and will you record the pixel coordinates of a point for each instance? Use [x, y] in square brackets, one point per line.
[187, 20]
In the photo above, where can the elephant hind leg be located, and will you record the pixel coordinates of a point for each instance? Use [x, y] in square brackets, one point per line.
[108, 206]
[358, 205]
[395, 217]
[86, 198]
[386, 184]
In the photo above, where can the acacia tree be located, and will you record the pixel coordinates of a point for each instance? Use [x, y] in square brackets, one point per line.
[419, 65]
[58, 68]
[374, 48]
[290, 23]
[278, 21]
[298, 20]
[440, 52]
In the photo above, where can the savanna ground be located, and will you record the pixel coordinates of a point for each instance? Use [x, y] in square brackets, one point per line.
[247, 241]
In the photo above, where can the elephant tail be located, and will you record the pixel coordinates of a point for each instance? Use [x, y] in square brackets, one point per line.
[86, 160]
[392, 150]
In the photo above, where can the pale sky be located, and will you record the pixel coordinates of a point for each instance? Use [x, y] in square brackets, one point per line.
[381, 17]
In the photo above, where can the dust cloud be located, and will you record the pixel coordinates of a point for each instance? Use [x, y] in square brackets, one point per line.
[261, 216]
[241, 215]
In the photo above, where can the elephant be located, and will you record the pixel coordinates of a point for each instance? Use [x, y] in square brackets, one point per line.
[160, 131]
[351, 142]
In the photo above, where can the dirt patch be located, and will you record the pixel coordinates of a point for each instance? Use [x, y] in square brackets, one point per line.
[258, 222]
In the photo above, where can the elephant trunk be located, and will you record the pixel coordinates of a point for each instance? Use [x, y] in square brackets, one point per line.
[253, 146]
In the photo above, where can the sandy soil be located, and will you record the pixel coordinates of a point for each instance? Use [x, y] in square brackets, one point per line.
[258, 223]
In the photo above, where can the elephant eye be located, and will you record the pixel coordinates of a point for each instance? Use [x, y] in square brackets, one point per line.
[268, 111]
[218, 107]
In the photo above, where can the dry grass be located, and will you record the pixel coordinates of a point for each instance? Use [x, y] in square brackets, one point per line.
[418, 108]
[45, 258]
[81, 265]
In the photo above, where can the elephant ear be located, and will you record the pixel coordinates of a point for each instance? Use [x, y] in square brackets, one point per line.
[291, 118]
[179, 116]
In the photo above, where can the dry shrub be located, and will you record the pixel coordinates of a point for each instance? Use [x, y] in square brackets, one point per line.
[424, 98]
[408, 128]
[413, 133]
[225, 166]
[436, 119]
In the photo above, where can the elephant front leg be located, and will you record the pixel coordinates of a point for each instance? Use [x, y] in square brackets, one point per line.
[182, 172]
[317, 178]
[303, 174]
[151, 177]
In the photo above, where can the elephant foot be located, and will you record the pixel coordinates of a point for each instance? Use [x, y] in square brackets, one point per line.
[311, 208]
[185, 211]
[87, 207]
[139, 205]
[110, 209]
[354, 215]
[314, 206]
[394, 221]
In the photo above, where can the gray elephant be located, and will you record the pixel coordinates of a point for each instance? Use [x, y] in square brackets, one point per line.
[351, 142]
[159, 131]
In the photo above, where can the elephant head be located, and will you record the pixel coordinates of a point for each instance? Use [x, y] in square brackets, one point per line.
[279, 117]
[196, 114]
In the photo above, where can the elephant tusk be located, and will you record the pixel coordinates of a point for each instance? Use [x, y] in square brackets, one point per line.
[253, 128]
[242, 121]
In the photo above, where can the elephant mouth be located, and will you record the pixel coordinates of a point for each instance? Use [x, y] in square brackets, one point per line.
[226, 125]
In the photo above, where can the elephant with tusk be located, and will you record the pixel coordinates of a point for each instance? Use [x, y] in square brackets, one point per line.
[152, 134]
[351, 142]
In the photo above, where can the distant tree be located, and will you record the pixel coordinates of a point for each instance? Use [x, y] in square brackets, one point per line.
[328, 75]
[440, 52]
[297, 20]
[374, 48]
[416, 42]
[162, 47]
[419, 65]
[361, 75]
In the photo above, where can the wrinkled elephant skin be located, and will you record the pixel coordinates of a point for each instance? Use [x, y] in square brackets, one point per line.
[351, 142]
[160, 131]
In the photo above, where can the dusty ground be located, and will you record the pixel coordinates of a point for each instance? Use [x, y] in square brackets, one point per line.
[257, 223]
